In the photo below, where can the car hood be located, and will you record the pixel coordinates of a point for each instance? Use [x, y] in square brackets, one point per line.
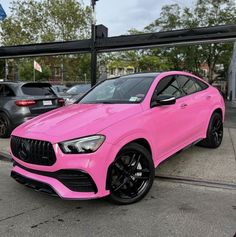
[75, 121]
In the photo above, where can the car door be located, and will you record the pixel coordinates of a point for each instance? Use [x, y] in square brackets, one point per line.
[168, 121]
[194, 107]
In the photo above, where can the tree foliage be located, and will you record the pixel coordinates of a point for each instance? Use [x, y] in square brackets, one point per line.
[32, 21]
[205, 13]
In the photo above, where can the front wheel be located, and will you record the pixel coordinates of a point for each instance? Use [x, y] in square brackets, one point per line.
[131, 174]
[214, 132]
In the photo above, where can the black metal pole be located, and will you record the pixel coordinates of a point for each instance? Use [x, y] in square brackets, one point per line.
[93, 47]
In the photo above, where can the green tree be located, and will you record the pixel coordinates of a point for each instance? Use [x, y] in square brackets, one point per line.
[205, 13]
[32, 21]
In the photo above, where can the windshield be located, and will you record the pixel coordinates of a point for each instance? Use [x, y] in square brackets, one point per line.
[78, 89]
[123, 90]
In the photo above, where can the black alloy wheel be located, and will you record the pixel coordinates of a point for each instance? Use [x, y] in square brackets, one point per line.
[4, 126]
[215, 132]
[131, 174]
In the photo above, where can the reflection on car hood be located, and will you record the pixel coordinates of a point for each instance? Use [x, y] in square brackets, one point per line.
[75, 121]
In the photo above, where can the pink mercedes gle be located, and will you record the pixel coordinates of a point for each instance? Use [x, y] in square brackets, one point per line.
[110, 141]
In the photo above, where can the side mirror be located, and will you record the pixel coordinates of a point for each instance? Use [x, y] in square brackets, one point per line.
[163, 100]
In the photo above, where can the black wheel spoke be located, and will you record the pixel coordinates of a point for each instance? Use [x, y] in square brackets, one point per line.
[136, 163]
[217, 131]
[132, 159]
[141, 177]
[218, 126]
[118, 167]
[121, 185]
[142, 170]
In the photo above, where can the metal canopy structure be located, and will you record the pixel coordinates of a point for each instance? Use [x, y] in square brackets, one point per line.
[202, 35]
[215, 34]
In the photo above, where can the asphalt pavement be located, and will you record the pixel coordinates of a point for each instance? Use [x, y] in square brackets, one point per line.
[170, 209]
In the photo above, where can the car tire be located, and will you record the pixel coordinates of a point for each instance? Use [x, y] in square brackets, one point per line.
[5, 126]
[215, 132]
[131, 175]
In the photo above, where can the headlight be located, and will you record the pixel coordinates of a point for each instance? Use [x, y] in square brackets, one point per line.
[82, 145]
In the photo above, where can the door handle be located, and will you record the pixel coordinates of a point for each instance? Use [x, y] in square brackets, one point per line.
[208, 97]
[183, 106]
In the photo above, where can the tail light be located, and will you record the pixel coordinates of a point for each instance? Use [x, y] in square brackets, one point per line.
[61, 101]
[25, 102]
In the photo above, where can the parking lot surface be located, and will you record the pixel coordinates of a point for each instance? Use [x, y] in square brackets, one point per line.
[170, 209]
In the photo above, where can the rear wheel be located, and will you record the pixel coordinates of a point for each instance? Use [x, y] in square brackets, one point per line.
[214, 133]
[131, 174]
[5, 126]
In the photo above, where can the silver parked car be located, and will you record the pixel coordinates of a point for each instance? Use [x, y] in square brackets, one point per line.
[76, 92]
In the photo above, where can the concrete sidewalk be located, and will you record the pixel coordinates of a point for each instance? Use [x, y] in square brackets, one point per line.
[213, 165]
[195, 163]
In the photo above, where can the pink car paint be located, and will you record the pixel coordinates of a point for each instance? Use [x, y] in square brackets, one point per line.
[167, 129]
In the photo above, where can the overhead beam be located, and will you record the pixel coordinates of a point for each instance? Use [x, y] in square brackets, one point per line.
[216, 34]
[203, 35]
[45, 49]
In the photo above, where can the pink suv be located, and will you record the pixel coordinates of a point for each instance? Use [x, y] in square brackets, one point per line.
[109, 142]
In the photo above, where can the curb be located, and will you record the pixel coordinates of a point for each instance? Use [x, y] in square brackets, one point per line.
[198, 182]
[5, 157]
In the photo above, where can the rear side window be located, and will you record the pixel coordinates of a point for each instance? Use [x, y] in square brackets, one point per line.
[188, 85]
[169, 86]
[6, 91]
[37, 89]
[202, 84]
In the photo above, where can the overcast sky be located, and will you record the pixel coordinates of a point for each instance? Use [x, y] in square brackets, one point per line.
[121, 15]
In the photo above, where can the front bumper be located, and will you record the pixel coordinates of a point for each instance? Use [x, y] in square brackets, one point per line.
[95, 166]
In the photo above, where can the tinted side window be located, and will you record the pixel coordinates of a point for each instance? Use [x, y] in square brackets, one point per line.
[168, 86]
[188, 85]
[8, 91]
[201, 84]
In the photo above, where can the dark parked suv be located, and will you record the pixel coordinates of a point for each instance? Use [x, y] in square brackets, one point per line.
[21, 101]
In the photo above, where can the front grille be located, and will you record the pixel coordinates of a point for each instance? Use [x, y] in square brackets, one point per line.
[33, 151]
[34, 184]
